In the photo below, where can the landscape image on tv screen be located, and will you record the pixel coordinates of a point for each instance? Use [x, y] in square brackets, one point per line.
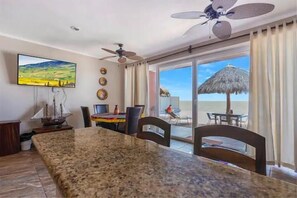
[45, 72]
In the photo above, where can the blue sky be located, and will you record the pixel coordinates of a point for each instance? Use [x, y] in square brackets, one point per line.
[24, 60]
[179, 81]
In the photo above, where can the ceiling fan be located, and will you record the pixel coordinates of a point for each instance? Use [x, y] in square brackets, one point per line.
[122, 54]
[219, 8]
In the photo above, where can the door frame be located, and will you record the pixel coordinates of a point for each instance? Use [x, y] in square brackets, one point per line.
[233, 52]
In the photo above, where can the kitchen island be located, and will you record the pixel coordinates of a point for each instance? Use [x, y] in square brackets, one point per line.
[97, 162]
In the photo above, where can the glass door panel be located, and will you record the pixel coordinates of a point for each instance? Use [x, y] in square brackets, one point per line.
[212, 106]
[175, 104]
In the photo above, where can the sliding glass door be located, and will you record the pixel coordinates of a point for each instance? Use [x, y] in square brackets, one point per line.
[175, 101]
[213, 98]
[180, 101]
[217, 103]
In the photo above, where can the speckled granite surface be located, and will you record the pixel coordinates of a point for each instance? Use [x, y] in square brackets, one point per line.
[96, 162]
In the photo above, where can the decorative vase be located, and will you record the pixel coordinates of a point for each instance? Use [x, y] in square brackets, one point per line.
[116, 110]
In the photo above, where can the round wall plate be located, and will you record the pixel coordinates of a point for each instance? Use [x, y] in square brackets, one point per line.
[102, 81]
[102, 94]
[103, 70]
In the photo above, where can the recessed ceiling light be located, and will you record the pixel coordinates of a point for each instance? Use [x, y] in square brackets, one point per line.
[74, 28]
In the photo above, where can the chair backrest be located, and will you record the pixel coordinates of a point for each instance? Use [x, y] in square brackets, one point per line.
[219, 153]
[209, 115]
[132, 116]
[149, 135]
[86, 116]
[101, 108]
[142, 106]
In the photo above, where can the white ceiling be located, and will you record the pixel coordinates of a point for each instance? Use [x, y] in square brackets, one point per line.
[144, 26]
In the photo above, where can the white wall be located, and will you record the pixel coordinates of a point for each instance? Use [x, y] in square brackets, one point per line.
[18, 102]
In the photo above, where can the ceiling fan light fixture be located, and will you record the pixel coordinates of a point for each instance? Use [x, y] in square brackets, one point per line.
[223, 4]
[188, 15]
[219, 8]
[229, 14]
[218, 24]
[121, 54]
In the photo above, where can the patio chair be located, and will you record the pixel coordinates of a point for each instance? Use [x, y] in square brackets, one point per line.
[210, 118]
[238, 121]
[224, 119]
[177, 118]
[243, 121]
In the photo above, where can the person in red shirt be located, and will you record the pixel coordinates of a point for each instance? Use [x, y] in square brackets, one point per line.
[169, 109]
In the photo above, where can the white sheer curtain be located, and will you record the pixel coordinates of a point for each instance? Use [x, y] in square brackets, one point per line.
[273, 92]
[136, 85]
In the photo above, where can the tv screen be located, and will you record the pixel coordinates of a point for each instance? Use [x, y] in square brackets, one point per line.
[38, 71]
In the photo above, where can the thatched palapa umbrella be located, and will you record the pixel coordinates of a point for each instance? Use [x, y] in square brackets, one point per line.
[228, 80]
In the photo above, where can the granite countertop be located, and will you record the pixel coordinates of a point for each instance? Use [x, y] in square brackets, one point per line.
[97, 162]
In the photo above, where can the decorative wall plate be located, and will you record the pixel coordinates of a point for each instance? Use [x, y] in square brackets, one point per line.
[103, 70]
[102, 94]
[102, 81]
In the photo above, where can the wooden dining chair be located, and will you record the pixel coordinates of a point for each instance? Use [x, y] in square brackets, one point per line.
[102, 108]
[257, 165]
[132, 116]
[86, 116]
[152, 136]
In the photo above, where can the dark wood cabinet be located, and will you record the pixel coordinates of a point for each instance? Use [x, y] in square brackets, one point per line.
[9, 137]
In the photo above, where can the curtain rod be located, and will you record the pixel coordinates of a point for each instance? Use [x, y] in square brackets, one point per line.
[134, 64]
[274, 27]
[191, 48]
[241, 35]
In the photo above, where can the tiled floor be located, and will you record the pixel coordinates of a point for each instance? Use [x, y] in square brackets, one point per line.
[25, 175]
[181, 146]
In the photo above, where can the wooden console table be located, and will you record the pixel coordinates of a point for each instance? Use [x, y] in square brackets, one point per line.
[48, 129]
[9, 137]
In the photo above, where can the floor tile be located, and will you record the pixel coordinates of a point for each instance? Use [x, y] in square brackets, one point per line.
[174, 144]
[26, 181]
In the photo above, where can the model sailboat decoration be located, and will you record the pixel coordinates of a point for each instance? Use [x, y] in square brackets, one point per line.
[52, 116]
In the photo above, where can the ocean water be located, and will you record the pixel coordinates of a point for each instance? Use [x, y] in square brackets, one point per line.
[238, 107]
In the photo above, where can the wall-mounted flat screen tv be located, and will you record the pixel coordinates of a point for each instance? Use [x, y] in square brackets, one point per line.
[38, 71]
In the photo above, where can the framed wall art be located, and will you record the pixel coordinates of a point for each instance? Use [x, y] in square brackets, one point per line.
[103, 70]
[102, 81]
[102, 94]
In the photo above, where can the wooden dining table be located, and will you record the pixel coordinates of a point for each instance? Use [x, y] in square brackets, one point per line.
[97, 162]
[109, 120]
